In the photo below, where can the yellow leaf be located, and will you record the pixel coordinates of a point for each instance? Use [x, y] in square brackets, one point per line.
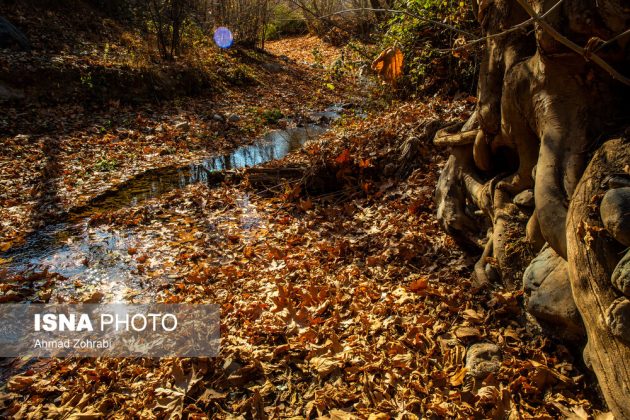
[324, 366]
[336, 414]
[458, 378]
[467, 332]
[379, 416]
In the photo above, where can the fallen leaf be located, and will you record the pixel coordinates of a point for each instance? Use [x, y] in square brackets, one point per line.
[388, 65]
[458, 378]
[96, 297]
[20, 382]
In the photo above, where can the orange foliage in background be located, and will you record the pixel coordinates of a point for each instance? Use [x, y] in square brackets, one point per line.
[388, 65]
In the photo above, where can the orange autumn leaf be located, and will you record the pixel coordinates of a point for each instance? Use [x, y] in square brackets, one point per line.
[249, 252]
[365, 163]
[343, 158]
[388, 65]
[306, 204]
[419, 284]
[19, 383]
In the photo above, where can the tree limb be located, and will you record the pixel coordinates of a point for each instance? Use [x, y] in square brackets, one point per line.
[401, 12]
[446, 139]
[572, 45]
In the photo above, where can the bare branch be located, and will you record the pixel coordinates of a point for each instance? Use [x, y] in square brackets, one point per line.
[615, 38]
[572, 45]
[401, 12]
[475, 41]
[510, 30]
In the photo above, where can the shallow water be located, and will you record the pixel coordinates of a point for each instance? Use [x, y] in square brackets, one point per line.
[100, 257]
[275, 145]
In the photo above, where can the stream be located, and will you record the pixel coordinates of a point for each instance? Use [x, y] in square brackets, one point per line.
[100, 257]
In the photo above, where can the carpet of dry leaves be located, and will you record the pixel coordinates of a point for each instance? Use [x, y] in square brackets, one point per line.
[61, 149]
[340, 295]
[309, 50]
[351, 303]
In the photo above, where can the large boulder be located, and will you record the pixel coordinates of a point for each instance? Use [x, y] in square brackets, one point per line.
[618, 319]
[482, 359]
[621, 276]
[615, 213]
[549, 297]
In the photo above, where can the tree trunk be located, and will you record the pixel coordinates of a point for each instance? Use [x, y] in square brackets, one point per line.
[593, 256]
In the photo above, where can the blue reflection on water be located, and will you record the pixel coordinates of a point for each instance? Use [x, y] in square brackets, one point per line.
[276, 145]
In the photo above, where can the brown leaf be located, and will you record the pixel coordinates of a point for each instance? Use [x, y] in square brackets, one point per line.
[306, 204]
[323, 365]
[211, 395]
[20, 382]
[96, 297]
[419, 284]
[467, 332]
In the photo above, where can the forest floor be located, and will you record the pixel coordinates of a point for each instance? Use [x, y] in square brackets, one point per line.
[86, 116]
[345, 304]
[340, 294]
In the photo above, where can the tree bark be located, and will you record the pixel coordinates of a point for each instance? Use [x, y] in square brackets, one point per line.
[543, 108]
[592, 257]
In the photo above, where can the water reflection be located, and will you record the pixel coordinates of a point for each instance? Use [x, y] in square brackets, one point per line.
[149, 184]
[100, 258]
[276, 145]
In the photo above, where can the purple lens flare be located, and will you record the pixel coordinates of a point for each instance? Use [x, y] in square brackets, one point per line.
[223, 37]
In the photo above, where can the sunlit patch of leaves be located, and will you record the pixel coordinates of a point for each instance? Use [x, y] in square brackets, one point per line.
[106, 165]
